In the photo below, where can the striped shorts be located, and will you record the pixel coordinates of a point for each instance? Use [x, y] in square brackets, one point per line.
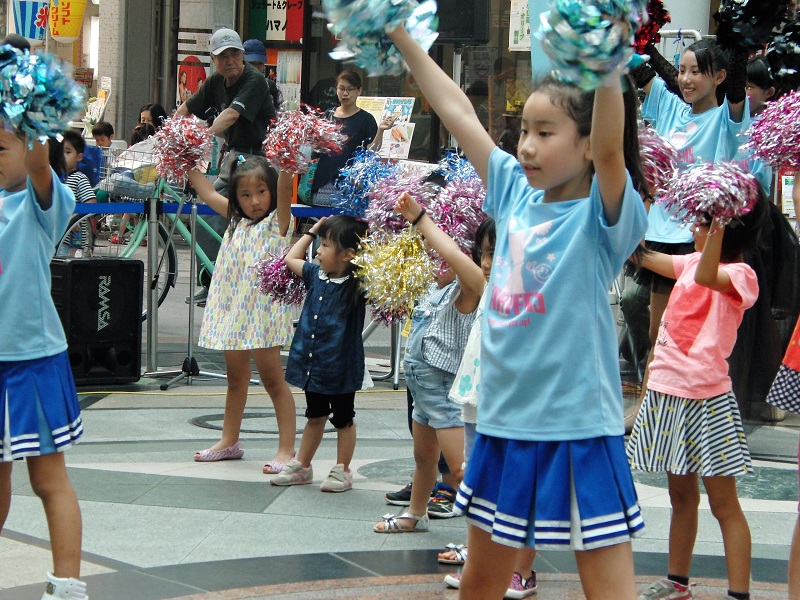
[681, 436]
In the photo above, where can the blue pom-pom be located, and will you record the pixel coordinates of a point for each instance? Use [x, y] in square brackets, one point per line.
[37, 94]
[358, 177]
[361, 25]
[588, 40]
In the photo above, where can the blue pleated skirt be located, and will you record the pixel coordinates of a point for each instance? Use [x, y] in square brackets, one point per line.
[39, 410]
[576, 495]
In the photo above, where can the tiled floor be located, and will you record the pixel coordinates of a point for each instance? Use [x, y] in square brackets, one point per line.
[157, 525]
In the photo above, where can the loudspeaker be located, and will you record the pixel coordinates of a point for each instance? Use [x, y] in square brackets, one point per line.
[463, 22]
[99, 301]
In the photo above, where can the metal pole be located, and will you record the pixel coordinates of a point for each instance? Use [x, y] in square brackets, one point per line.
[152, 281]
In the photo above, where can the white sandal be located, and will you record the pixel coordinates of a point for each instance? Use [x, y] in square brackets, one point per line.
[459, 553]
[391, 524]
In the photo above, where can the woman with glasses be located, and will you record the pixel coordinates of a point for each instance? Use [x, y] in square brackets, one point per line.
[361, 130]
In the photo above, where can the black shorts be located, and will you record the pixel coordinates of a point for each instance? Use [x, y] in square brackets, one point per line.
[342, 406]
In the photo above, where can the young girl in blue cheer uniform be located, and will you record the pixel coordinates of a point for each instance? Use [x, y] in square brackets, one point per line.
[689, 424]
[240, 320]
[548, 468]
[327, 354]
[39, 409]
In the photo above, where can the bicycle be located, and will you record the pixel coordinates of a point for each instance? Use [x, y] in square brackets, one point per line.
[128, 180]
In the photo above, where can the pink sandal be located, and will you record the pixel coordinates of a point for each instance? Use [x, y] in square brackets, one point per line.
[273, 467]
[230, 453]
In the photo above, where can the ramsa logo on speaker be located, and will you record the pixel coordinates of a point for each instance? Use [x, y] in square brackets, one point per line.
[104, 312]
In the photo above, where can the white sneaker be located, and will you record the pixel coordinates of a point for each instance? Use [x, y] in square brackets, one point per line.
[338, 480]
[59, 588]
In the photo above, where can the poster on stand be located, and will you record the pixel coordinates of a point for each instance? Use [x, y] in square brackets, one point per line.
[194, 63]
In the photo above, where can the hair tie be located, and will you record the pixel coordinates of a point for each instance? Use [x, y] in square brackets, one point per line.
[240, 160]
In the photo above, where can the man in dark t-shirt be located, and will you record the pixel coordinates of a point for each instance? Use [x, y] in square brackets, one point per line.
[240, 98]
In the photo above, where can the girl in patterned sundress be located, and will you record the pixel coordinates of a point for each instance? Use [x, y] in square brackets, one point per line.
[690, 425]
[238, 318]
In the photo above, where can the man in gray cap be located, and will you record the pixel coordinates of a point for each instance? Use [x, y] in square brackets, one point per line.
[237, 97]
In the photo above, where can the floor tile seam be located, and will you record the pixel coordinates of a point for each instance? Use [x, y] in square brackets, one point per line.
[88, 557]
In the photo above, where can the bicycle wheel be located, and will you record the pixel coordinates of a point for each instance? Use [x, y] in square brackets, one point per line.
[74, 244]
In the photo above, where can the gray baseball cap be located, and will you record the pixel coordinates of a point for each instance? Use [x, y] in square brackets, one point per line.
[224, 39]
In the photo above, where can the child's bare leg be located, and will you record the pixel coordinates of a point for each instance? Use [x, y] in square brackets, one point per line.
[735, 531]
[237, 370]
[607, 573]
[312, 438]
[488, 569]
[451, 441]
[345, 445]
[49, 480]
[523, 563]
[794, 564]
[5, 492]
[684, 495]
[426, 458]
[270, 369]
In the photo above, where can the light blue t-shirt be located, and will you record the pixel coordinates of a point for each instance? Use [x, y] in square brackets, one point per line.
[710, 136]
[29, 324]
[550, 367]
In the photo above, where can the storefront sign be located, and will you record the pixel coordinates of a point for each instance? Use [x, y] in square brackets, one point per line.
[284, 19]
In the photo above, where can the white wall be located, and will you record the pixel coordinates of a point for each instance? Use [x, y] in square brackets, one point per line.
[688, 14]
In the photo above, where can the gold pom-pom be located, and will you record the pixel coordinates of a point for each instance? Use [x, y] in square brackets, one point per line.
[394, 270]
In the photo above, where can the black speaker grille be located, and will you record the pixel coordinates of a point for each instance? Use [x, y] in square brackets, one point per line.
[100, 305]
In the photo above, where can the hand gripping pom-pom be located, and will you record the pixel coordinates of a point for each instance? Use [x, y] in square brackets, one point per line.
[296, 134]
[659, 159]
[39, 98]
[775, 137]
[720, 190]
[394, 271]
[380, 211]
[750, 24]
[586, 41]
[648, 33]
[361, 27]
[275, 278]
[181, 145]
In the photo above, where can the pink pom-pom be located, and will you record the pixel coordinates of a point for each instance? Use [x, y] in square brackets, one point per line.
[721, 190]
[775, 136]
[275, 279]
[659, 159]
[457, 210]
[380, 211]
[296, 134]
[181, 145]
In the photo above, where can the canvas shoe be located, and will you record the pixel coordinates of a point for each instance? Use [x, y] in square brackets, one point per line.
[61, 588]
[665, 588]
[338, 480]
[293, 474]
[521, 588]
[442, 504]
